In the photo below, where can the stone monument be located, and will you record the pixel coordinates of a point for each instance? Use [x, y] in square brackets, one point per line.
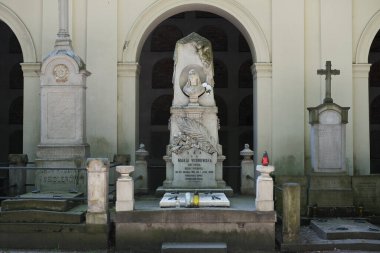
[330, 184]
[63, 115]
[194, 156]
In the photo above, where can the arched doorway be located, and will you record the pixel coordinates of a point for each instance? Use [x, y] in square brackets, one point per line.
[11, 93]
[374, 104]
[233, 88]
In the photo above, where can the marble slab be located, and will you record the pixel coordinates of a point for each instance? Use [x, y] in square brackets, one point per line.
[205, 200]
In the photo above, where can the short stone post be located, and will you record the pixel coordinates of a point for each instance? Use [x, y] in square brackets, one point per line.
[97, 190]
[118, 159]
[141, 170]
[291, 211]
[247, 172]
[124, 189]
[17, 176]
[264, 189]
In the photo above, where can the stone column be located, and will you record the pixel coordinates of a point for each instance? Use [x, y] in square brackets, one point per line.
[17, 176]
[219, 172]
[291, 211]
[32, 108]
[141, 173]
[361, 119]
[124, 189]
[169, 171]
[262, 110]
[247, 172]
[127, 108]
[97, 190]
[264, 189]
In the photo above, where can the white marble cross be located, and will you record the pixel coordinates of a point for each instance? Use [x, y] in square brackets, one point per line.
[328, 72]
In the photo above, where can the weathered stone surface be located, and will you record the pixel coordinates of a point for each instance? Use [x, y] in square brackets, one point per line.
[53, 236]
[291, 218]
[336, 228]
[302, 181]
[124, 189]
[205, 200]
[330, 191]
[243, 231]
[264, 189]
[366, 191]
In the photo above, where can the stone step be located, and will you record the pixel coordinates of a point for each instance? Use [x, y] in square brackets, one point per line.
[75, 215]
[339, 229]
[310, 241]
[194, 247]
[58, 202]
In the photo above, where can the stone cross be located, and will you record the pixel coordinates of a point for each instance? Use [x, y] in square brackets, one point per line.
[63, 40]
[328, 72]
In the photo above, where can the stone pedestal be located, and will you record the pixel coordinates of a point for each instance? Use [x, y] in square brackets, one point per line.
[17, 176]
[124, 189]
[97, 191]
[141, 170]
[291, 213]
[264, 189]
[247, 172]
[329, 183]
[194, 159]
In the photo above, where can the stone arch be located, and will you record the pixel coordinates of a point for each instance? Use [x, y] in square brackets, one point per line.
[165, 37]
[21, 32]
[160, 11]
[216, 36]
[366, 38]
[246, 111]
[162, 74]
[160, 110]
[16, 111]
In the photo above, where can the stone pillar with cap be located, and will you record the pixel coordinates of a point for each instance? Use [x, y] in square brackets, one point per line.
[247, 172]
[141, 172]
[17, 175]
[124, 189]
[264, 189]
[97, 190]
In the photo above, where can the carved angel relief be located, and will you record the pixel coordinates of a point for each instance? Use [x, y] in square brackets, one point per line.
[192, 135]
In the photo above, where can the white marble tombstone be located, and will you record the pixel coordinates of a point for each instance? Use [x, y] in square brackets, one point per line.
[194, 156]
[328, 137]
[63, 115]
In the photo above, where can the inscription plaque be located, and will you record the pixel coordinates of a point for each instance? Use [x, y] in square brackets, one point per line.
[194, 168]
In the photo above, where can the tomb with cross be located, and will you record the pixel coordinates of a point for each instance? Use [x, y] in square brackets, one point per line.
[328, 150]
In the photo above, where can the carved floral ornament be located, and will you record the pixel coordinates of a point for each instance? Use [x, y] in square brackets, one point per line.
[192, 135]
[61, 73]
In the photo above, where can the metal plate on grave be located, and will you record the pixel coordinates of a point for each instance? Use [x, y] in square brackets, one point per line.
[194, 168]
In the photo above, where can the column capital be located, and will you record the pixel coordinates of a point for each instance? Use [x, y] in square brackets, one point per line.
[262, 69]
[129, 69]
[361, 70]
[31, 69]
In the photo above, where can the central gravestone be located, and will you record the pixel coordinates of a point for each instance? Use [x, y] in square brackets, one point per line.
[194, 156]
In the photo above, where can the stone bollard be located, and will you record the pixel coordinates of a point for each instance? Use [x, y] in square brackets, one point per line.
[141, 170]
[291, 211]
[247, 172]
[17, 176]
[97, 190]
[124, 189]
[264, 189]
[118, 159]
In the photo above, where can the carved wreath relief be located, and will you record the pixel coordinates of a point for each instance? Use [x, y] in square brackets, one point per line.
[61, 73]
[192, 135]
